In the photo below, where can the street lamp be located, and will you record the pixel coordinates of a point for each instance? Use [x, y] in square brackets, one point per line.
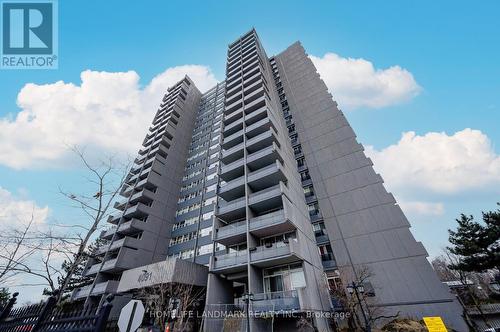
[357, 289]
[247, 297]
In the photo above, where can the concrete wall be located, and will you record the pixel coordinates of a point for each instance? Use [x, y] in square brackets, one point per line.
[366, 227]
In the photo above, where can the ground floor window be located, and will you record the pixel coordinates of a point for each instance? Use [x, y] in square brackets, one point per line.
[284, 278]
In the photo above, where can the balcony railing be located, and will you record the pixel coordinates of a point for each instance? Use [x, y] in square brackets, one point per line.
[109, 286]
[273, 301]
[268, 252]
[232, 259]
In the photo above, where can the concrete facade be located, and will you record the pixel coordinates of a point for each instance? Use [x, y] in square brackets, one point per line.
[366, 228]
[261, 215]
[145, 215]
[261, 183]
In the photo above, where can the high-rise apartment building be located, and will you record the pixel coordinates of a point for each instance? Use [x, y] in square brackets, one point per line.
[261, 180]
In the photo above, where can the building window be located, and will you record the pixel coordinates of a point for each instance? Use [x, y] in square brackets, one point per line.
[211, 188]
[313, 209]
[334, 281]
[284, 278]
[211, 176]
[319, 229]
[210, 201]
[305, 175]
[326, 252]
[309, 191]
[208, 215]
[187, 254]
[205, 231]
[206, 249]
[213, 165]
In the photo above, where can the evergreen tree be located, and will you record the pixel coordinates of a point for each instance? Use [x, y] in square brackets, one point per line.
[477, 245]
[491, 239]
[4, 296]
[77, 279]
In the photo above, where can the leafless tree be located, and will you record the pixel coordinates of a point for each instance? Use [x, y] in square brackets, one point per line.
[39, 251]
[367, 303]
[35, 252]
[13, 250]
[107, 178]
[173, 301]
[465, 295]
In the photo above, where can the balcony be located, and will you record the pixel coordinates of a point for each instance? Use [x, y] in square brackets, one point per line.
[233, 103]
[232, 90]
[261, 124]
[265, 225]
[139, 176]
[161, 149]
[232, 233]
[232, 117]
[272, 223]
[315, 216]
[232, 210]
[230, 263]
[232, 154]
[131, 226]
[328, 261]
[257, 115]
[126, 259]
[253, 95]
[264, 157]
[233, 70]
[251, 86]
[273, 301]
[109, 265]
[276, 254]
[261, 201]
[137, 211]
[255, 104]
[149, 183]
[117, 244]
[231, 78]
[311, 198]
[143, 196]
[247, 51]
[321, 237]
[115, 217]
[250, 60]
[234, 54]
[109, 286]
[232, 171]
[267, 199]
[261, 141]
[233, 189]
[163, 139]
[232, 140]
[125, 228]
[251, 79]
[108, 233]
[233, 127]
[267, 176]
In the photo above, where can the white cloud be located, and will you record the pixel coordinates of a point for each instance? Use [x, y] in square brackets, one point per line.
[16, 211]
[107, 111]
[439, 162]
[356, 83]
[422, 208]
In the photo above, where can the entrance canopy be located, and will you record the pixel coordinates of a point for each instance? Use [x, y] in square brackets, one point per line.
[172, 270]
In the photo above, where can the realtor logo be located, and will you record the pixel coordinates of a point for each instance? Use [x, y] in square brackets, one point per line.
[29, 36]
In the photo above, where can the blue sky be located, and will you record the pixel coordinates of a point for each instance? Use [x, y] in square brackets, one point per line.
[450, 49]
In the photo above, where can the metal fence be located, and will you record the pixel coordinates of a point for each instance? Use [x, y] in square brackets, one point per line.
[46, 316]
